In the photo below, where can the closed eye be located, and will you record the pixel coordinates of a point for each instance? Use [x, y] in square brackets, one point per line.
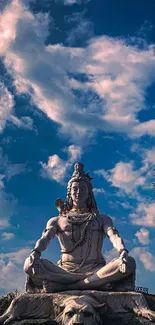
[70, 313]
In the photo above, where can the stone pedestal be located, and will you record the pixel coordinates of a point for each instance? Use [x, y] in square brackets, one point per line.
[115, 308]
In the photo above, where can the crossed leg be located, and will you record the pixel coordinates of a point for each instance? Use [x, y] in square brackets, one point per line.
[59, 279]
[110, 273]
[42, 271]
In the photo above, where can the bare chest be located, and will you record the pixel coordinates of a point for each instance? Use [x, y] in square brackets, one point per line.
[76, 231]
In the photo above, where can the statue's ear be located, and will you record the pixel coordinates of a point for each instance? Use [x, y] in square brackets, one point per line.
[101, 308]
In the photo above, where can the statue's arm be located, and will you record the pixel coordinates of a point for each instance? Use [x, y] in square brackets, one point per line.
[48, 234]
[113, 234]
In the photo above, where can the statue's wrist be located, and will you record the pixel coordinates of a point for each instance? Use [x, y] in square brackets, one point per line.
[123, 250]
[36, 250]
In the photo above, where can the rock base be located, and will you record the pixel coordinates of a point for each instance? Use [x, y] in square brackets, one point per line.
[122, 308]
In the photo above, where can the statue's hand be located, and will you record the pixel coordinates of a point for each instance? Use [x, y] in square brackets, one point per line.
[35, 263]
[123, 261]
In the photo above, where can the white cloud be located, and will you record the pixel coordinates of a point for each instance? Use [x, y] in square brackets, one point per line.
[147, 163]
[101, 172]
[15, 169]
[7, 112]
[16, 257]
[8, 208]
[143, 236]
[118, 73]
[1, 181]
[82, 30]
[6, 106]
[8, 169]
[4, 223]
[57, 168]
[11, 266]
[129, 179]
[98, 190]
[144, 215]
[3, 160]
[110, 255]
[74, 153]
[126, 205]
[142, 254]
[72, 2]
[147, 128]
[24, 122]
[8, 203]
[7, 236]
[148, 156]
[123, 176]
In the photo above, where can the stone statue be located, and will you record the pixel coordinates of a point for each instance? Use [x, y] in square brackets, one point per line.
[80, 230]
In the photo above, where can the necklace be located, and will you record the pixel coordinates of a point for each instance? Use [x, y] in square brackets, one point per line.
[82, 210]
[75, 220]
[79, 211]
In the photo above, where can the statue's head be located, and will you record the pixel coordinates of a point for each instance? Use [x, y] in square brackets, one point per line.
[79, 190]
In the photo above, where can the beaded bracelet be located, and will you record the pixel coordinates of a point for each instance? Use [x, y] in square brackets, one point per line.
[122, 250]
[37, 251]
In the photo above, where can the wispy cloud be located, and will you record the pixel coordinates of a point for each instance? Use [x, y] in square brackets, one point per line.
[123, 176]
[11, 265]
[110, 255]
[144, 256]
[8, 169]
[6, 105]
[148, 157]
[1, 181]
[73, 2]
[57, 168]
[145, 128]
[7, 236]
[8, 208]
[127, 177]
[99, 190]
[144, 215]
[8, 202]
[143, 236]
[117, 73]
[81, 28]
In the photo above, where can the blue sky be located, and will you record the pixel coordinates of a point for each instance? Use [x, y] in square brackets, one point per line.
[76, 84]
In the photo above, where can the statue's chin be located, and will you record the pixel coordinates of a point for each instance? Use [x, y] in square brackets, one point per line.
[79, 204]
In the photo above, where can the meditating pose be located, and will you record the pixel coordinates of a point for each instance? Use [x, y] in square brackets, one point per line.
[80, 229]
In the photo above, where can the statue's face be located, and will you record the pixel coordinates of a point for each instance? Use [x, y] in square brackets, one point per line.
[79, 192]
[79, 311]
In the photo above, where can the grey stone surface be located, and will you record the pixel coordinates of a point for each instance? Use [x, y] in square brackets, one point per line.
[34, 322]
[112, 308]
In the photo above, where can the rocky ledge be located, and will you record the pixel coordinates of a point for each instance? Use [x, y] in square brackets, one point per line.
[80, 307]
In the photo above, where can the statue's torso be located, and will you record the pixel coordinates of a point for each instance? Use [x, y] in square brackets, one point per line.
[69, 234]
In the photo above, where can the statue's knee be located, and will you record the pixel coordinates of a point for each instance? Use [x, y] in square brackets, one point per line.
[27, 267]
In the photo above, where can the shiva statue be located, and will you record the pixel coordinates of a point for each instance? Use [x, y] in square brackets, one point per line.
[80, 230]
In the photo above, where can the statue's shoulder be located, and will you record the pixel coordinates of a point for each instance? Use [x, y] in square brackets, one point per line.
[107, 221]
[52, 222]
